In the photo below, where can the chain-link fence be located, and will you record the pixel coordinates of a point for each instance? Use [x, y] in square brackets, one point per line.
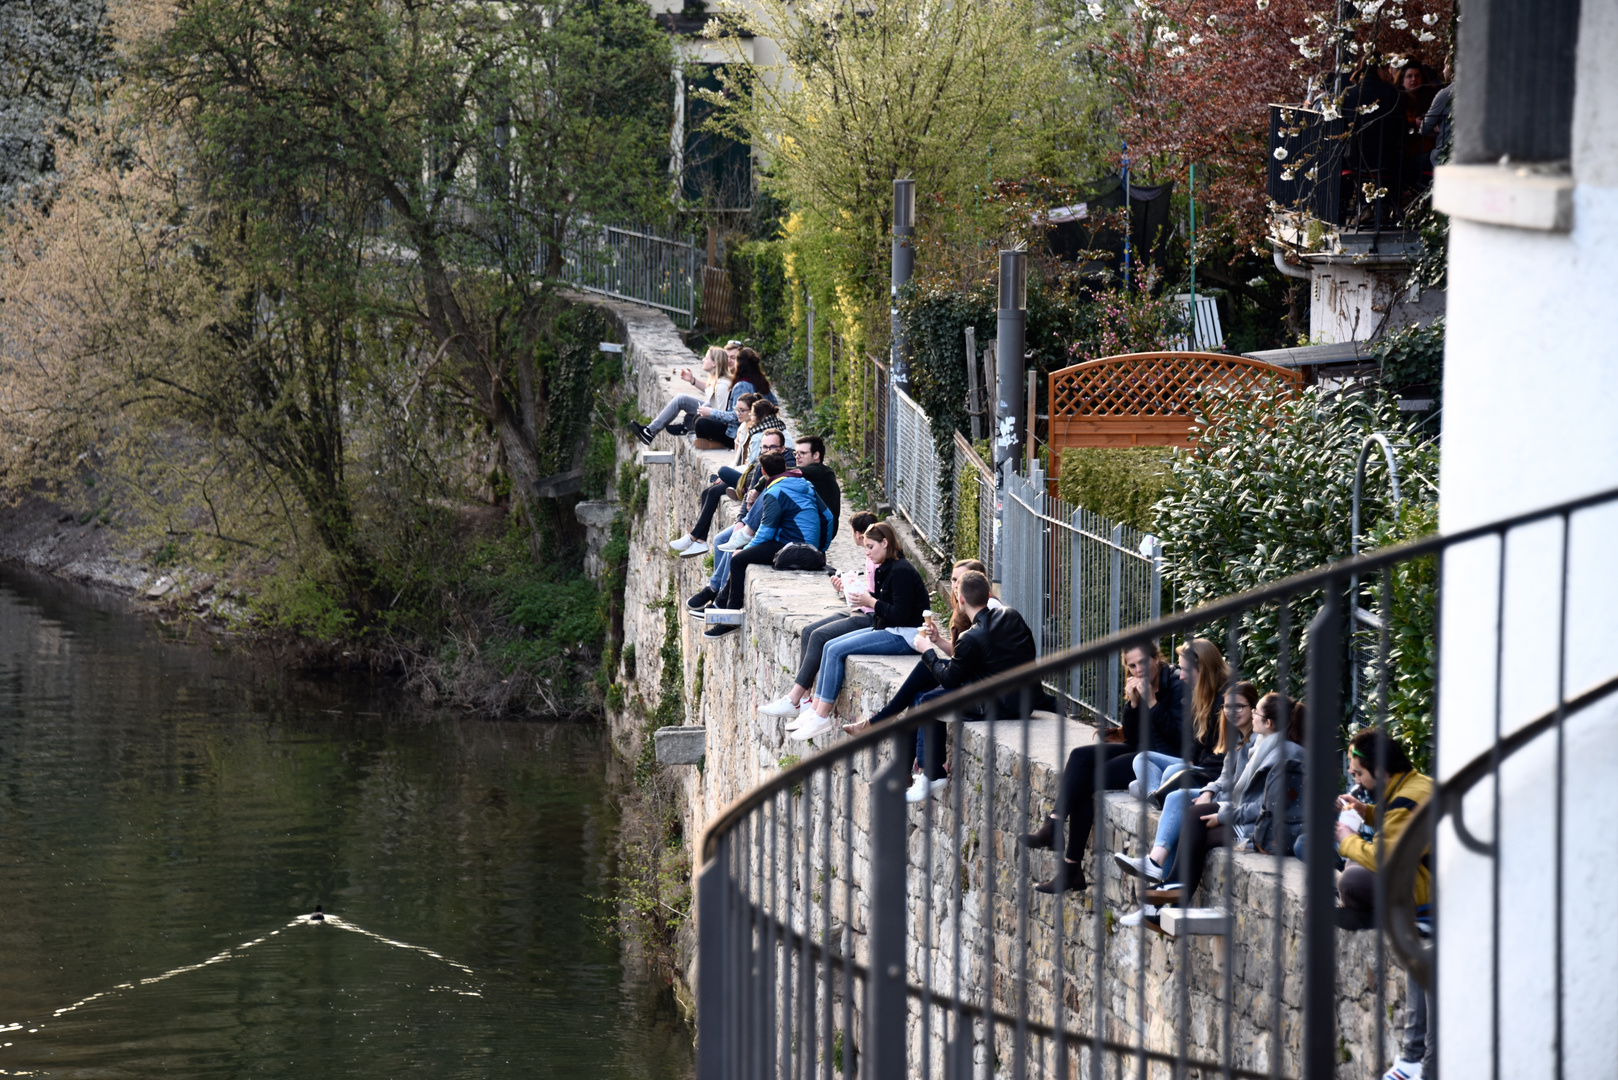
[917, 471]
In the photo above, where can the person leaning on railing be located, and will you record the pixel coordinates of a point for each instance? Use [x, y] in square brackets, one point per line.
[715, 388]
[1236, 744]
[897, 602]
[1380, 765]
[1156, 774]
[1153, 707]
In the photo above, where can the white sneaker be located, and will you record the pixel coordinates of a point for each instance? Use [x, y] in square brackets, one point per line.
[1134, 917]
[811, 726]
[805, 716]
[697, 550]
[682, 545]
[735, 543]
[781, 706]
[918, 789]
[1141, 867]
[1404, 1070]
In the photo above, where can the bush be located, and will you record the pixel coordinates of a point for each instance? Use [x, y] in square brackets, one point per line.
[1267, 494]
[1412, 361]
[1412, 625]
[1122, 483]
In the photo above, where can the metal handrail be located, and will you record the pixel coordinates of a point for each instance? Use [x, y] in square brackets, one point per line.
[1029, 674]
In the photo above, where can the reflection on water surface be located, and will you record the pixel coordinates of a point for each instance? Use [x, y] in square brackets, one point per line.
[170, 814]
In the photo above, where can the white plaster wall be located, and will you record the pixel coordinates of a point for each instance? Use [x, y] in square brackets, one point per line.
[1530, 419]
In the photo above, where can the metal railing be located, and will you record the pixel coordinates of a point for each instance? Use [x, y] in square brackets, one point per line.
[640, 265]
[917, 470]
[865, 399]
[977, 526]
[1364, 182]
[842, 929]
[1077, 577]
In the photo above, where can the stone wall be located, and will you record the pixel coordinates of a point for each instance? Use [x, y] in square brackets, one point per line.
[724, 682]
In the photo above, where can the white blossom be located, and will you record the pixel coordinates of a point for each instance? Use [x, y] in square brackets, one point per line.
[1400, 24]
[1194, 40]
[1261, 4]
[1097, 11]
[1286, 174]
[1280, 153]
[1426, 35]
[1165, 34]
[1430, 19]
[1178, 50]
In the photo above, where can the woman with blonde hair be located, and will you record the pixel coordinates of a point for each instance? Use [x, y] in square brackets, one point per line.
[1157, 773]
[715, 389]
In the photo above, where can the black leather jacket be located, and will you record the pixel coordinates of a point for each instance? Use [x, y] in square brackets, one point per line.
[998, 640]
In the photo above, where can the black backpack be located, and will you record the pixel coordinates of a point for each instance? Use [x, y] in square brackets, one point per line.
[1280, 823]
[800, 557]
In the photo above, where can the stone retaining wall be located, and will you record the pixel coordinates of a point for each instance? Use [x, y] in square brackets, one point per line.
[723, 683]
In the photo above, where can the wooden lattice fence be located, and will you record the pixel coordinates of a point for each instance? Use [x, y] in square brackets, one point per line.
[1146, 399]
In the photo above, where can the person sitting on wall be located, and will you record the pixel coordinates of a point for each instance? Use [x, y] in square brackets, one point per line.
[1156, 773]
[996, 640]
[715, 390]
[899, 598]
[810, 459]
[791, 513]
[724, 547]
[718, 426]
[1236, 744]
[815, 636]
[695, 542]
[1379, 765]
[1151, 720]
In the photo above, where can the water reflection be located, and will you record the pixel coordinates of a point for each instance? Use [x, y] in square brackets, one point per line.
[169, 814]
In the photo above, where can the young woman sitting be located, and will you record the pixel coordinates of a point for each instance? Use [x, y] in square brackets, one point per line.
[1235, 743]
[815, 636]
[715, 387]
[1153, 697]
[764, 417]
[719, 425]
[1229, 821]
[695, 542]
[897, 601]
[1155, 771]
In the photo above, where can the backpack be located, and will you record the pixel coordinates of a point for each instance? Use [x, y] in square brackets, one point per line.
[800, 557]
[1280, 823]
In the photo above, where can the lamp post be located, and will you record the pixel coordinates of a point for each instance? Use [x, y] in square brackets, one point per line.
[904, 262]
[1009, 363]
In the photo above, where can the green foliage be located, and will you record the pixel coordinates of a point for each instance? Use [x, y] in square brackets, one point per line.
[758, 270]
[1412, 609]
[1412, 361]
[1267, 493]
[599, 461]
[1122, 483]
[301, 604]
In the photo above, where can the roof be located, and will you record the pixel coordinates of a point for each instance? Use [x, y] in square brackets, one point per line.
[1342, 352]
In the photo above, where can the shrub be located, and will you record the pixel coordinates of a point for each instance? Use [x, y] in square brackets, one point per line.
[1412, 361]
[1412, 622]
[1122, 483]
[1267, 493]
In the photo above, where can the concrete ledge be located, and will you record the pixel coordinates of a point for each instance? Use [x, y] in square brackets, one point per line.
[1513, 196]
[684, 745]
[657, 457]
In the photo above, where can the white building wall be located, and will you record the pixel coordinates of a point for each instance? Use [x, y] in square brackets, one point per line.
[1530, 419]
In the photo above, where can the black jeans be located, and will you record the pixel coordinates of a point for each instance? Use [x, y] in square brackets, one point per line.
[1079, 786]
[713, 430]
[931, 736]
[1356, 887]
[711, 496]
[814, 642]
[1196, 840]
[735, 590]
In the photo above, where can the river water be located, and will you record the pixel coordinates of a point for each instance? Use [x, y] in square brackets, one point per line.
[171, 811]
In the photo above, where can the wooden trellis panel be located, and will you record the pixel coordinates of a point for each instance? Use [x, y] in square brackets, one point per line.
[1145, 399]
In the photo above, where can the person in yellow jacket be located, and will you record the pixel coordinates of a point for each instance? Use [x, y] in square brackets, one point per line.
[1400, 789]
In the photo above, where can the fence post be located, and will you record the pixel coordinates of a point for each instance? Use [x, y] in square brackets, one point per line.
[1115, 596]
[1037, 554]
[716, 983]
[1322, 764]
[886, 1003]
[1075, 687]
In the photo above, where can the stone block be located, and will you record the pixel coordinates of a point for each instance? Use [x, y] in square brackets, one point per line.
[685, 745]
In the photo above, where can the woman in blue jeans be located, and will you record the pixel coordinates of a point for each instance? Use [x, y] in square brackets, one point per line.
[896, 604]
[715, 388]
[1153, 769]
[1235, 743]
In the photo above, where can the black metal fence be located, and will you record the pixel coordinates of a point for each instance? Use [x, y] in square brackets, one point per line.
[844, 930]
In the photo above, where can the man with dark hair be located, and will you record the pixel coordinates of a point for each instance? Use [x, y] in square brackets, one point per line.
[790, 513]
[998, 640]
[811, 462]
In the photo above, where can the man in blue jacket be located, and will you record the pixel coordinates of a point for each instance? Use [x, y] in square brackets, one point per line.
[791, 512]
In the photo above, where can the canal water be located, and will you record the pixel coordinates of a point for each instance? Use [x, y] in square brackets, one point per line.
[171, 812]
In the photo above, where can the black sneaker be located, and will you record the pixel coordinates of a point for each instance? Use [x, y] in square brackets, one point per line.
[642, 432]
[677, 429]
[720, 631]
[701, 598]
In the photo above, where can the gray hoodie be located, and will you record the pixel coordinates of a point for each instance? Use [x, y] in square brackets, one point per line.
[1240, 787]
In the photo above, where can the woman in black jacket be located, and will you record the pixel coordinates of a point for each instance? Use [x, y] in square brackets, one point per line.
[1158, 773]
[897, 603]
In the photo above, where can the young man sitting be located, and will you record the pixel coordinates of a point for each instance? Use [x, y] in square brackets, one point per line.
[791, 513]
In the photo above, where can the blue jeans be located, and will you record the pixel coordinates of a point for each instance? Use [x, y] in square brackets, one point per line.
[1168, 827]
[680, 403]
[1152, 768]
[729, 475]
[721, 559]
[869, 642]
